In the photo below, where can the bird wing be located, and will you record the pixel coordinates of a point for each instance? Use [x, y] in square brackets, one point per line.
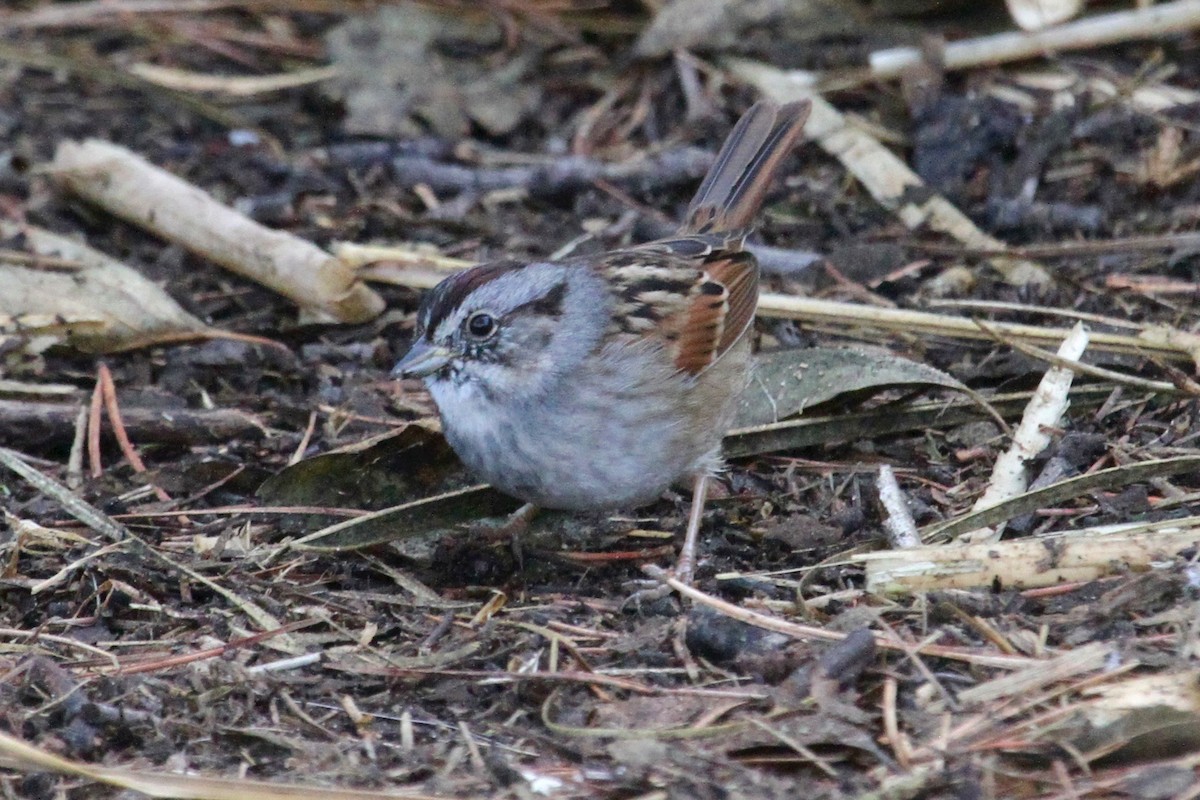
[693, 293]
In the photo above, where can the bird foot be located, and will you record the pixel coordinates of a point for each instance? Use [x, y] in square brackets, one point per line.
[657, 589]
[510, 530]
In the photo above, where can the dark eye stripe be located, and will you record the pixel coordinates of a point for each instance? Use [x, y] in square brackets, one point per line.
[548, 305]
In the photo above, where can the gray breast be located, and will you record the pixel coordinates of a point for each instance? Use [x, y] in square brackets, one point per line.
[615, 434]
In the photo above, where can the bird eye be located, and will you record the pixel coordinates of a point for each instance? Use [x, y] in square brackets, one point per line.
[481, 325]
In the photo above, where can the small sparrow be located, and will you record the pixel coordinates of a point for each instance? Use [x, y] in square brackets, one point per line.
[595, 383]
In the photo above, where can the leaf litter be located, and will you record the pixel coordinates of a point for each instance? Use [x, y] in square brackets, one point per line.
[346, 628]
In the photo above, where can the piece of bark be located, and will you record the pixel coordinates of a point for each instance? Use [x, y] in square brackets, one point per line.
[24, 423]
[1080, 555]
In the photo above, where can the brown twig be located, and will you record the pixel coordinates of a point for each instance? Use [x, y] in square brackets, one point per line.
[813, 632]
[113, 408]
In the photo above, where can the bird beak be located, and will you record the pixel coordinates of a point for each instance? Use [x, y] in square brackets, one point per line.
[422, 359]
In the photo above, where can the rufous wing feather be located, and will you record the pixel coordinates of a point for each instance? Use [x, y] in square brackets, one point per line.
[698, 290]
[719, 311]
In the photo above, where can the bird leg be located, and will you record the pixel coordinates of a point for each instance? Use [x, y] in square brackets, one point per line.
[686, 563]
[687, 554]
[512, 528]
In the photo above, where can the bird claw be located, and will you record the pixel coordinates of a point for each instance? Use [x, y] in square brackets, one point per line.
[651, 595]
[656, 590]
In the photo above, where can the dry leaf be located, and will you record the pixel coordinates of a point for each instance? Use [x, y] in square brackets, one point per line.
[403, 67]
[411, 476]
[786, 382]
[119, 308]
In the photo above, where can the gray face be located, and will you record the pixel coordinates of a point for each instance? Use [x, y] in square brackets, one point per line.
[505, 331]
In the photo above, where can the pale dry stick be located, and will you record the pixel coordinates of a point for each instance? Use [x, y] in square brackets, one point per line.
[33, 261]
[78, 444]
[408, 739]
[489, 609]
[901, 748]
[714, 713]
[281, 664]
[408, 257]
[361, 723]
[98, 11]
[1150, 340]
[68, 570]
[1045, 410]
[417, 269]
[987, 630]
[899, 524]
[27, 389]
[232, 85]
[888, 179]
[302, 447]
[1073, 249]
[472, 746]
[1152, 284]
[95, 412]
[1037, 676]
[1026, 308]
[124, 184]
[65, 641]
[1120, 26]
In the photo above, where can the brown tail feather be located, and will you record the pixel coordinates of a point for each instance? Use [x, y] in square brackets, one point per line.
[733, 190]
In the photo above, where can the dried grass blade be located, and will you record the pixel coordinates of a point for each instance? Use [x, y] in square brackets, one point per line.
[1063, 490]
[182, 787]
